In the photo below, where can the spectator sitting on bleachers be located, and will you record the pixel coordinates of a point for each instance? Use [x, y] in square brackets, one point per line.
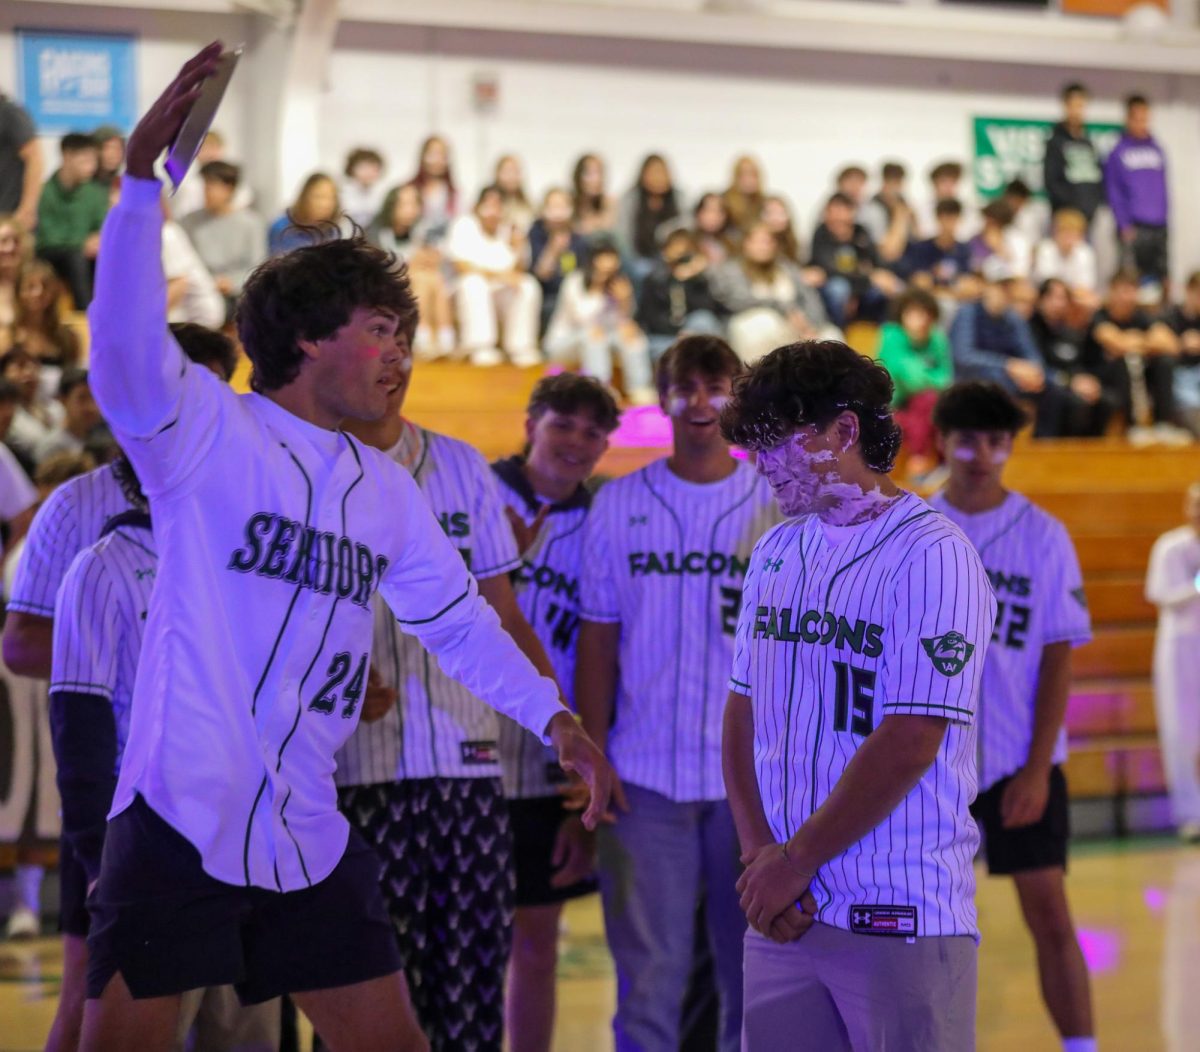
[942, 262]
[593, 323]
[518, 213]
[999, 244]
[555, 249]
[945, 180]
[851, 182]
[17, 494]
[406, 235]
[595, 208]
[1030, 218]
[494, 291]
[1066, 255]
[36, 416]
[81, 418]
[362, 193]
[70, 212]
[1140, 354]
[435, 180]
[770, 302]
[991, 341]
[16, 248]
[189, 197]
[314, 216]
[914, 350]
[1184, 321]
[777, 218]
[745, 196]
[714, 232]
[192, 293]
[230, 241]
[1087, 405]
[677, 295]
[646, 206]
[845, 266]
[39, 329]
[887, 217]
[110, 146]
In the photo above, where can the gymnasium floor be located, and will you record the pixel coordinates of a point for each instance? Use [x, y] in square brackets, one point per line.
[1137, 905]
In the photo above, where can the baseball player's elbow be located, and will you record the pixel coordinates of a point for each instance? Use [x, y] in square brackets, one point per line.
[916, 738]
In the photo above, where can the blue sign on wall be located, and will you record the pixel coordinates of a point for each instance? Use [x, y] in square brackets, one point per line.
[76, 81]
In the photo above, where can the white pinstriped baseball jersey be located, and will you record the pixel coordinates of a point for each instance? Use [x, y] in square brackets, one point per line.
[273, 537]
[1035, 574]
[840, 628]
[69, 521]
[666, 560]
[439, 729]
[547, 586]
[100, 619]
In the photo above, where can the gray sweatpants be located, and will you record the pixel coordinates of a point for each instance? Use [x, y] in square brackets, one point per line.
[833, 991]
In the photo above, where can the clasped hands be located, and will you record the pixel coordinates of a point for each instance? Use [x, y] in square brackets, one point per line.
[775, 894]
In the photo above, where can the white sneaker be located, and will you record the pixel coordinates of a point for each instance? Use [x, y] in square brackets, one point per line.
[487, 356]
[23, 923]
[525, 359]
[1141, 436]
[1170, 435]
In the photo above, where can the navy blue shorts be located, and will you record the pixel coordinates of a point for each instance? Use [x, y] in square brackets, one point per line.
[1042, 845]
[72, 894]
[535, 824]
[167, 926]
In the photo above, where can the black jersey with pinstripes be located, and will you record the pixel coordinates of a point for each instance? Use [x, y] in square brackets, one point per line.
[838, 630]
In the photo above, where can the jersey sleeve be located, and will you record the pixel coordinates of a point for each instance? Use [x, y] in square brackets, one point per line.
[50, 545]
[87, 630]
[598, 598]
[1066, 617]
[939, 625]
[435, 598]
[165, 410]
[494, 546]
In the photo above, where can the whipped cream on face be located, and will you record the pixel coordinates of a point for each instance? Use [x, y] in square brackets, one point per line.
[969, 456]
[677, 405]
[802, 485]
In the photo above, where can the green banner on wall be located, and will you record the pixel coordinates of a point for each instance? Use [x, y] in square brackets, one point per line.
[1007, 148]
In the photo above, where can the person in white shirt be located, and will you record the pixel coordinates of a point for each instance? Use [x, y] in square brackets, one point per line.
[1173, 585]
[226, 859]
[362, 191]
[192, 293]
[667, 550]
[1066, 255]
[17, 494]
[499, 302]
[849, 747]
[1022, 807]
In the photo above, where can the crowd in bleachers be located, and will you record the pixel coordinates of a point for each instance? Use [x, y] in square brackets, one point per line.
[1014, 291]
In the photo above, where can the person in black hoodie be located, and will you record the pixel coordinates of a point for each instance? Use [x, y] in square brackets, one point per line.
[1071, 168]
[676, 295]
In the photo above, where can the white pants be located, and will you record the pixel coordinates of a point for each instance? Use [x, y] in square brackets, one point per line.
[594, 353]
[1177, 704]
[485, 304]
[756, 332]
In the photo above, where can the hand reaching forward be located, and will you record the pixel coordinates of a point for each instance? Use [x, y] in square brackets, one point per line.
[161, 122]
[578, 754]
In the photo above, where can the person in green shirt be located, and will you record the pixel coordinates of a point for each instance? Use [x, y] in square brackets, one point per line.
[70, 212]
[914, 349]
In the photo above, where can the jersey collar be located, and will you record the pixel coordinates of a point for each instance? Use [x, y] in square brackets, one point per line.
[510, 472]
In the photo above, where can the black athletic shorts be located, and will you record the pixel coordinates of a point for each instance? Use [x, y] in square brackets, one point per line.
[72, 892]
[167, 926]
[535, 823]
[1038, 846]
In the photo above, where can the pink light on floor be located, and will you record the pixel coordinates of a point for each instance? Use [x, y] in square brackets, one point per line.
[1101, 949]
[1155, 899]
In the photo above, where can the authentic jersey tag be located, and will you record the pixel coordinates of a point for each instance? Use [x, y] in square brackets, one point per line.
[884, 920]
[480, 752]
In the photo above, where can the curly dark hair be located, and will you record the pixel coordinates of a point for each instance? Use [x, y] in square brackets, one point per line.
[310, 293]
[978, 405]
[710, 356]
[572, 393]
[811, 382]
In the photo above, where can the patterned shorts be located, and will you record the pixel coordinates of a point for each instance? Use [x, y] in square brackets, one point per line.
[449, 884]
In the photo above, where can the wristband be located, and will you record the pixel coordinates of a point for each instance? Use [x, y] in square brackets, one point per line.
[783, 851]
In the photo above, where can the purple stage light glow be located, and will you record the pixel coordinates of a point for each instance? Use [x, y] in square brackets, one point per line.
[1101, 949]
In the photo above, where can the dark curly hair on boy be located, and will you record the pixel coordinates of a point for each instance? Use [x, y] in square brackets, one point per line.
[810, 383]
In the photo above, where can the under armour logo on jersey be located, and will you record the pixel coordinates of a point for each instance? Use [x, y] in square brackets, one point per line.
[638, 520]
[143, 574]
[774, 565]
[949, 653]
